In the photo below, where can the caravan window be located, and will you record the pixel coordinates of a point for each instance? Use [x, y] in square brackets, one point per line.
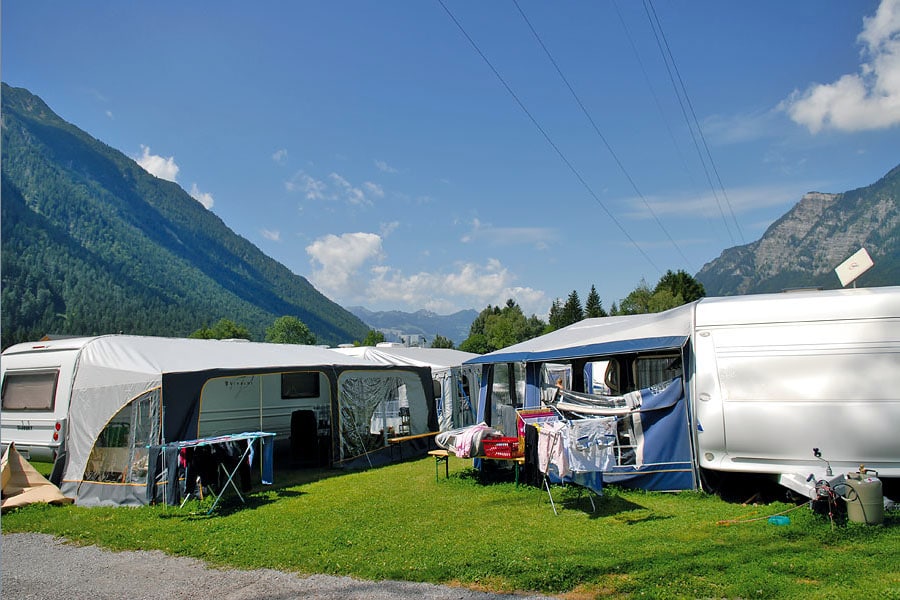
[30, 390]
[121, 451]
[300, 385]
[651, 370]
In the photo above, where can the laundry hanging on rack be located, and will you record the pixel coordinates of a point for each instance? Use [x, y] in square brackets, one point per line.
[552, 449]
[590, 444]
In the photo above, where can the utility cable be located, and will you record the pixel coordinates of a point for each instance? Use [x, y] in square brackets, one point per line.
[659, 108]
[687, 99]
[602, 137]
[547, 137]
[687, 121]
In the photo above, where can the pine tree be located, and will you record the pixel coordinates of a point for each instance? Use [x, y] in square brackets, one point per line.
[593, 306]
[572, 311]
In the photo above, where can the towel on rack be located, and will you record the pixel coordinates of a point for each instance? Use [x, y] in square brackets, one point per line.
[590, 444]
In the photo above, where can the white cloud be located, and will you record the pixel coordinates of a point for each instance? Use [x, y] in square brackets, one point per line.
[741, 128]
[164, 168]
[384, 167]
[204, 198]
[348, 191]
[336, 189]
[869, 99]
[350, 268]
[337, 261]
[272, 235]
[374, 189]
[538, 237]
[280, 156]
[468, 285]
[109, 114]
[741, 200]
[312, 189]
[388, 228]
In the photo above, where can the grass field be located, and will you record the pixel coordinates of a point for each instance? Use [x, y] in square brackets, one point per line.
[397, 522]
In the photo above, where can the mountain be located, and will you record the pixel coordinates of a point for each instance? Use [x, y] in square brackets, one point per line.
[802, 248]
[92, 243]
[395, 323]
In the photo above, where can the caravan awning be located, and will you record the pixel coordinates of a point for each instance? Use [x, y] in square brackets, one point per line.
[601, 337]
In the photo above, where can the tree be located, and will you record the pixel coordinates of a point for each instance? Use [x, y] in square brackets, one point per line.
[681, 284]
[663, 300]
[673, 289]
[593, 306]
[555, 319]
[638, 301]
[477, 343]
[572, 311]
[496, 328]
[373, 338]
[290, 330]
[225, 329]
[440, 341]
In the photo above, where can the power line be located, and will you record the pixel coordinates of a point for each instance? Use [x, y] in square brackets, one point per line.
[667, 57]
[597, 130]
[697, 123]
[547, 137]
[656, 101]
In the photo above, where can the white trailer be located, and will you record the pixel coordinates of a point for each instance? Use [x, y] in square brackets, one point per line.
[778, 375]
[97, 406]
[37, 386]
[767, 378]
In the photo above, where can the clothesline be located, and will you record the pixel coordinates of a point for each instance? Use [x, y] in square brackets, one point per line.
[220, 439]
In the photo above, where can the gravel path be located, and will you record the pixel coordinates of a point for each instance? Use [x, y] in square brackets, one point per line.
[43, 567]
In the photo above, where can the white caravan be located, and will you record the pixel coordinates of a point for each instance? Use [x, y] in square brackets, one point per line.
[768, 377]
[37, 385]
[95, 406]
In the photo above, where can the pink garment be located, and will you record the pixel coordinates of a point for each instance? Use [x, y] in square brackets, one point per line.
[466, 444]
[552, 448]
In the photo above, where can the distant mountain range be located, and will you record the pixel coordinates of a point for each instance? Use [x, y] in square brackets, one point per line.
[92, 243]
[802, 248]
[427, 324]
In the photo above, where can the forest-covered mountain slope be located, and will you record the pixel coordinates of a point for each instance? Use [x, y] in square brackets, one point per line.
[92, 243]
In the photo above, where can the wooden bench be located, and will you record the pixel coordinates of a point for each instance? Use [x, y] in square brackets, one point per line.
[441, 456]
[398, 441]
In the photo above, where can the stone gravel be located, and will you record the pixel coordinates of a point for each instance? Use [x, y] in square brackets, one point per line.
[43, 567]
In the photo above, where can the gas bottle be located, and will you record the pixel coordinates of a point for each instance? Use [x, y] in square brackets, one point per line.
[864, 498]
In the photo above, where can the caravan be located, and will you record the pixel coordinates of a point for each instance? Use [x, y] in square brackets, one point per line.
[37, 383]
[99, 405]
[765, 380]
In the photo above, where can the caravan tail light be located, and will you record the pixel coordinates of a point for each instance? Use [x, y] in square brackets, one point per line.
[56, 432]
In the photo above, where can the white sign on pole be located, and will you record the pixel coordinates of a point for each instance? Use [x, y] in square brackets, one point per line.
[854, 266]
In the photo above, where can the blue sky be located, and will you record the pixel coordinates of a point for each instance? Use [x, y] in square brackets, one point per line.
[448, 154]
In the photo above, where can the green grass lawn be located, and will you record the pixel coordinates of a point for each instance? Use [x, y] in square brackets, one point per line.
[396, 522]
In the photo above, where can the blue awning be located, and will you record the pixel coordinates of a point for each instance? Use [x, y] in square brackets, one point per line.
[603, 336]
[596, 349]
